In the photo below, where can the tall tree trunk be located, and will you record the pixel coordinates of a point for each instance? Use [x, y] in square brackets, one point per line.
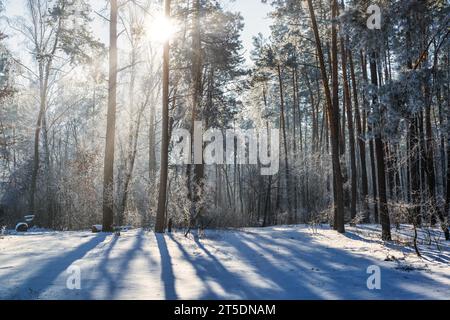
[196, 181]
[161, 213]
[379, 151]
[371, 144]
[108, 173]
[334, 129]
[351, 133]
[361, 143]
[286, 159]
[442, 214]
[268, 199]
[294, 146]
[447, 196]
[429, 145]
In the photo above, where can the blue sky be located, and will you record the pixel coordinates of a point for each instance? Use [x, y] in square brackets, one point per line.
[255, 19]
[253, 11]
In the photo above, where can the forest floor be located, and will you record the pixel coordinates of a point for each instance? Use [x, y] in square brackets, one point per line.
[284, 262]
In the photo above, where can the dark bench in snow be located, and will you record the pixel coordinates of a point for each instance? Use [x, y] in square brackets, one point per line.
[96, 228]
[21, 227]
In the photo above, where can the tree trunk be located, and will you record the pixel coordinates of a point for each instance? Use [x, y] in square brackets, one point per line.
[371, 144]
[447, 196]
[361, 144]
[286, 159]
[379, 151]
[429, 165]
[160, 214]
[196, 182]
[108, 173]
[294, 145]
[351, 133]
[334, 129]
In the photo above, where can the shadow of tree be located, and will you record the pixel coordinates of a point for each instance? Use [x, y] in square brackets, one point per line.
[294, 268]
[44, 277]
[113, 270]
[211, 269]
[167, 276]
[269, 264]
[442, 255]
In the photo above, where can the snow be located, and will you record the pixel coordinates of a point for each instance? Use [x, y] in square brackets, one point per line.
[287, 262]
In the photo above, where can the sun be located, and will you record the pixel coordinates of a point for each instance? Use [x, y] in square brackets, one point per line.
[160, 28]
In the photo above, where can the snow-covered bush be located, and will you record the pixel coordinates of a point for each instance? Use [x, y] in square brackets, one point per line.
[79, 191]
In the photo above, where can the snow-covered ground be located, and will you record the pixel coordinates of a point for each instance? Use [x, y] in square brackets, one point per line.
[289, 262]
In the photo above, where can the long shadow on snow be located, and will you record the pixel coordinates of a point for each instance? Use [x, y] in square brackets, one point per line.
[354, 267]
[306, 275]
[111, 275]
[298, 280]
[443, 256]
[43, 278]
[210, 268]
[167, 275]
[277, 284]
